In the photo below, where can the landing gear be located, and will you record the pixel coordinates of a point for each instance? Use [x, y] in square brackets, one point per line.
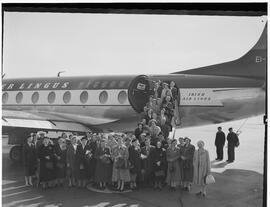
[15, 153]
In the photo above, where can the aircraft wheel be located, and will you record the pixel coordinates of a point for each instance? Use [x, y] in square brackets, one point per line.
[15, 154]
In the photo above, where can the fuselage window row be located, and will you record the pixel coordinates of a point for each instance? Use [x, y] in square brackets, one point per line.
[51, 97]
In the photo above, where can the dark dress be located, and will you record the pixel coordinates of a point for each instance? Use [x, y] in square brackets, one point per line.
[147, 163]
[188, 152]
[87, 160]
[103, 165]
[74, 161]
[135, 161]
[232, 143]
[159, 155]
[92, 146]
[29, 159]
[47, 163]
[219, 142]
[61, 162]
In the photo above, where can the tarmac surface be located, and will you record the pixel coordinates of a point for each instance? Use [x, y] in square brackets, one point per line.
[237, 184]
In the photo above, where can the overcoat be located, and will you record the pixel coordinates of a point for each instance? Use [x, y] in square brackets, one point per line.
[75, 161]
[202, 166]
[103, 165]
[173, 171]
[120, 173]
[29, 159]
[159, 155]
[61, 162]
[188, 152]
[47, 163]
[135, 160]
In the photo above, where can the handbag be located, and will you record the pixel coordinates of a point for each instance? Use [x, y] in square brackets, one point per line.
[209, 179]
[237, 144]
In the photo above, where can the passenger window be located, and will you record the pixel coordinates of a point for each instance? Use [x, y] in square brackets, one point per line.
[84, 97]
[51, 97]
[19, 97]
[122, 97]
[103, 97]
[4, 97]
[67, 97]
[35, 97]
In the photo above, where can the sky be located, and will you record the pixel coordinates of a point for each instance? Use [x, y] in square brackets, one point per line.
[42, 44]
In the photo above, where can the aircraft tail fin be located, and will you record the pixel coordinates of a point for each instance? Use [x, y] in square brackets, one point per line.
[251, 65]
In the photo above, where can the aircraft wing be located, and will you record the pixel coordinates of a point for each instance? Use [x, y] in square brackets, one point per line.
[47, 121]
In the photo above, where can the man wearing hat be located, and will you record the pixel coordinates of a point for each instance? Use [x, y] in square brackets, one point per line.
[233, 142]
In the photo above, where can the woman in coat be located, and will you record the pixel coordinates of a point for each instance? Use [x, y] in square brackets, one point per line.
[173, 172]
[74, 162]
[120, 157]
[202, 167]
[159, 157]
[135, 162]
[61, 153]
[187, 158]
[29, 160]
[103, 169]
[47, 163]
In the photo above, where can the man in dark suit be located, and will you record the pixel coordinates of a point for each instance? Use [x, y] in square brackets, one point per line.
[233, 142]
[219, 142]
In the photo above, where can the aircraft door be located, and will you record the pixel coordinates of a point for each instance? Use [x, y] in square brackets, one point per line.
[139, 92]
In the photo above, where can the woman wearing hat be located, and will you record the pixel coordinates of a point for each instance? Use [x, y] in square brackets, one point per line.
[159, 157]
[187, 159]
[29, 160]
[173, 171]
[202, 167]
[61, 153]
[73, 161]
[154, 131]
[103, 169]
[47, 163]
[135, 162]
[120, 172]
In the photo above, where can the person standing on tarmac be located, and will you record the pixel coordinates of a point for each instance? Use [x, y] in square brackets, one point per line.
[219, 143]
[233, 142]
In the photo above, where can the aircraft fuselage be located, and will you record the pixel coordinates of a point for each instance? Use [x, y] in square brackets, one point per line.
[105, 102]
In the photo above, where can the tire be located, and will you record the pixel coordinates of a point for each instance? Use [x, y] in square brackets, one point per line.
[15, 154]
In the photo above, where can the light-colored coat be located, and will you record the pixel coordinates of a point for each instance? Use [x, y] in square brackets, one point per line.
[202, 166]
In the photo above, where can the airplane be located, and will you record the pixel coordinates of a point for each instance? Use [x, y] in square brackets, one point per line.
[214, 94]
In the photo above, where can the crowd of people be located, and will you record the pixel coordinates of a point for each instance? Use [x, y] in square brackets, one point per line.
[116, 161]
[144, 158]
